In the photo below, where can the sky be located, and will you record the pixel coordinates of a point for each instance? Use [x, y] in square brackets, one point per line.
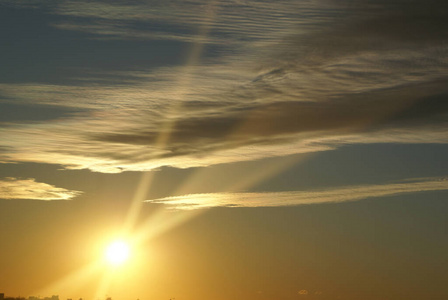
[245, 149]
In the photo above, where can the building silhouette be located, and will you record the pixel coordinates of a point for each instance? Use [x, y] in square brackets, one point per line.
[54, 297]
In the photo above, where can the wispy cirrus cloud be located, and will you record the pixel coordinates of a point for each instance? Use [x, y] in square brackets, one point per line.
[14, 188]
[232, 22]
[293, 198]
[331, 78]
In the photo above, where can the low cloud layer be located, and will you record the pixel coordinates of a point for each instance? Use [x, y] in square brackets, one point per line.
[14, 188]
[299, 77]
[279, 199]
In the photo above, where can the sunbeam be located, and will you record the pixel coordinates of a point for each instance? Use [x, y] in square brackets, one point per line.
[137, 202]
[75, 280]
[161, 222]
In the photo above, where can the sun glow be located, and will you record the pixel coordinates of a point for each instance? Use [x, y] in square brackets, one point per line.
[117, 253]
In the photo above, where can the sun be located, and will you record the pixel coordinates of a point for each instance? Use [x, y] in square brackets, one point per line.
[117, 253]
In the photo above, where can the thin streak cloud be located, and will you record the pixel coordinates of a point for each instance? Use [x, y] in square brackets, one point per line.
[294, 198]
[14, 189]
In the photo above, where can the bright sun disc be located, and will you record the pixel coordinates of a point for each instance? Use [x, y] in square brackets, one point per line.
[117, 253]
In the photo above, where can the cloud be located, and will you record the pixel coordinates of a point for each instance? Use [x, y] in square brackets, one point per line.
[303, 77]
[230, 22]
[212, 126]
[14, 188]
[225, 22]
[250, 20]
[279, 199]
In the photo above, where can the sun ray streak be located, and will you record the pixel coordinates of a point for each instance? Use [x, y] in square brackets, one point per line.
[183, 86]
[75, 279]
[184, 78]
[140, 194]
[162, 222]
[104, 285]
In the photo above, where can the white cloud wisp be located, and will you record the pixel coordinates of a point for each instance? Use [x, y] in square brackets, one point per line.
[294, 198]
[14, 188]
